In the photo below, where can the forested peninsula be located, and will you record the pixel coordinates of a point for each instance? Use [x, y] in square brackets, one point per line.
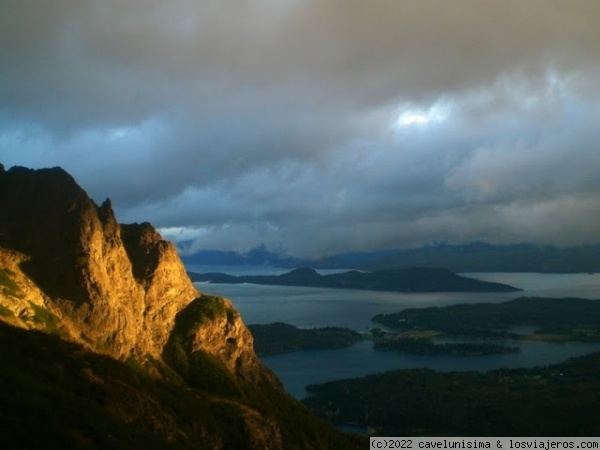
[399, 280]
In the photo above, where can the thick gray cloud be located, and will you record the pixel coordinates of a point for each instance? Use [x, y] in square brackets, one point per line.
[314, 126]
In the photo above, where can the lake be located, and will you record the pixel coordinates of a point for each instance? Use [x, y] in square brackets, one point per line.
[318, 307]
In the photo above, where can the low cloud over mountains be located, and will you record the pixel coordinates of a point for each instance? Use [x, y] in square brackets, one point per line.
[311, 126]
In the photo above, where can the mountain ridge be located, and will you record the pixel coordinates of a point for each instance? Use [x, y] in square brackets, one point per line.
[75, 255]
[461, 258]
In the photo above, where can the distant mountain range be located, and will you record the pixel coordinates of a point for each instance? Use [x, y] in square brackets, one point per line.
[474, 257]
[258, 256]
[399, 280]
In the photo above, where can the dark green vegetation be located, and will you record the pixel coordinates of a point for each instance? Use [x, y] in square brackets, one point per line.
[7, 286]
[55, 392]
[5, 312]
[282, 338]
[198, 368]
[558, 400]
[406, 342]
[46, 318]
[565, 319]
[401, 280]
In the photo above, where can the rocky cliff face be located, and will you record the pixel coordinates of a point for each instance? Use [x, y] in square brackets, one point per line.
[117, 287]
[68, 268]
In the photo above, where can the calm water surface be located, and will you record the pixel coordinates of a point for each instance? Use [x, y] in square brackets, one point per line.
[317, 307]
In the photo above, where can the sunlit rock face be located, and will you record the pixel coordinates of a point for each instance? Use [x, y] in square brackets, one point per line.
[19, 296]
[116, 287]
[227, 337]
[167, 289]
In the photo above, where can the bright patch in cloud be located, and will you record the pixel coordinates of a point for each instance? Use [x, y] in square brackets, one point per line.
[410, 116]
[413, 119]
[182, 234]
[121, 132]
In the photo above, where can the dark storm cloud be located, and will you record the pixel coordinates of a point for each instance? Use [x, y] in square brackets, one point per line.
[314, 126]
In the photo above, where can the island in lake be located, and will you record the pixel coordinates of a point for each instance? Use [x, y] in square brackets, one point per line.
[422, 343]
[281, 337]
[547, 319]
[398, 280]
[415, 330]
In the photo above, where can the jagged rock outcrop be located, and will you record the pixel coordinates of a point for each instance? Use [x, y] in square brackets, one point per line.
[157, 268]
[209, 332]
[227, 337]
[122, 299]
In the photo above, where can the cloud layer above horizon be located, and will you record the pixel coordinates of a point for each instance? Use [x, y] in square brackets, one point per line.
[314, 126]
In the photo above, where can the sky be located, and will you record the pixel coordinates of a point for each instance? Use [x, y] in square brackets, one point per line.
[314, 127]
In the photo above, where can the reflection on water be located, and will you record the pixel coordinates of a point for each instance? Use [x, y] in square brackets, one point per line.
[548, 284]
[317, 307]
